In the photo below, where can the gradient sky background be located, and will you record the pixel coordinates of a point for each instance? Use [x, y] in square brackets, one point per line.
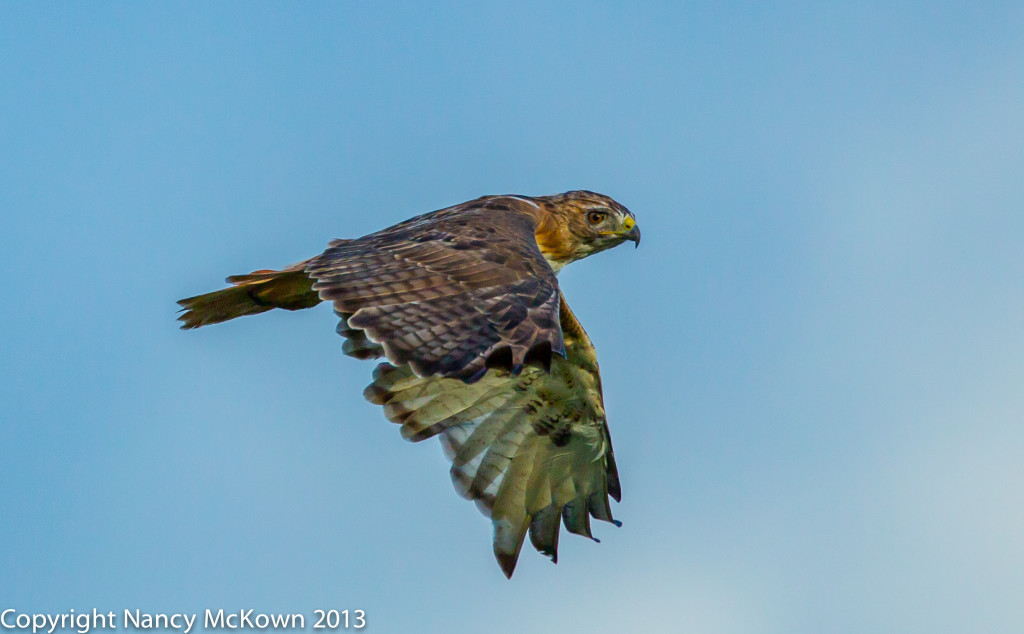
[814, 364]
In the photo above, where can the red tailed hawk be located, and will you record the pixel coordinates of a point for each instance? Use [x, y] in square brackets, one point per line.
[481, 348]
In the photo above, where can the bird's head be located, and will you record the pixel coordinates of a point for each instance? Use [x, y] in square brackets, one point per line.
[581, 223]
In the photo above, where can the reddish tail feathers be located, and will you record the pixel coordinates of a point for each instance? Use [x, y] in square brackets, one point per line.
[251, 294]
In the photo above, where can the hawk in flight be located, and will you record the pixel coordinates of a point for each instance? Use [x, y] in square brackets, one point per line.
[479, 348]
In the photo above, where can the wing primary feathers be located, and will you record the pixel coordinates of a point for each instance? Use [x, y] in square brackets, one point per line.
[544, 527]
[577, 519]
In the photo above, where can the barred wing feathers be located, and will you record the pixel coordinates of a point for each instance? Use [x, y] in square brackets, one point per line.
[532, 450]
[449, 293]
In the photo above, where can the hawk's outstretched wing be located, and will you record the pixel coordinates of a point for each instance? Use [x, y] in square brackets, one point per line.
[532, 450]
[449, 293]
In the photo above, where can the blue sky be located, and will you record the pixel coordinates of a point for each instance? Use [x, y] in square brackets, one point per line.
[812, 366]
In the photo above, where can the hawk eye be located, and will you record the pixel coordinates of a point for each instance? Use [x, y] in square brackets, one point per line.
[596, 217]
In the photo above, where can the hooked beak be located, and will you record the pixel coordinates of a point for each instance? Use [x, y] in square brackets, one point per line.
[632, 231]
[634, 235]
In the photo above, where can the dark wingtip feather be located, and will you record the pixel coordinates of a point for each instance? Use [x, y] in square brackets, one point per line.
[612, 475]
[381, 370]
[398, 413]
[576, 518]
[598, 505]
[377, 395]
[544, 527]
[416, 435]
[615, 492]
[507, 563]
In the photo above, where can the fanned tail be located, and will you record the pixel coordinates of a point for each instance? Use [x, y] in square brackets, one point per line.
[257, 292]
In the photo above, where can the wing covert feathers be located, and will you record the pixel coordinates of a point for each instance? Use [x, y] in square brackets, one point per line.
[532, 450]
[449, 293]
